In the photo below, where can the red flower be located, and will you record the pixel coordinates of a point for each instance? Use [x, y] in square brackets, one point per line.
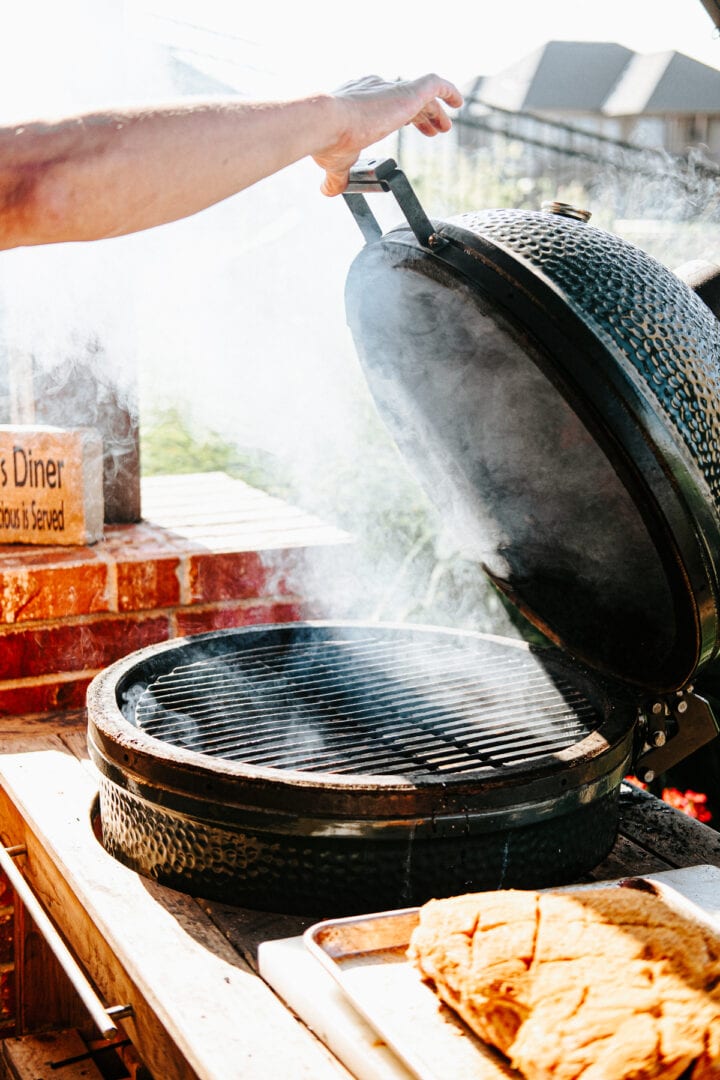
[692, 803]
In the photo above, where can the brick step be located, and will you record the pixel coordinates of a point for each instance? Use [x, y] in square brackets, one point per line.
[212, 553]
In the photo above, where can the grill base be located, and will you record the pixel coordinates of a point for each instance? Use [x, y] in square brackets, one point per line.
[343, 876]
[494, 765]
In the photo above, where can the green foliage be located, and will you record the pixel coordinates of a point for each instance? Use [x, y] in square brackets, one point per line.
[169, 444]
[669, 208]
[483, 180]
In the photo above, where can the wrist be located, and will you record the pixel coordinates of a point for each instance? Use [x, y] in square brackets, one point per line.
[333, 123]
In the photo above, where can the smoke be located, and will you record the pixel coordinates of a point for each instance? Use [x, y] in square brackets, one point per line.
[245, 299]
[72, 304]
[236, 316]
[515, 471]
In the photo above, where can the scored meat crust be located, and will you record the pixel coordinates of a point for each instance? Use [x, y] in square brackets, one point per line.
[598, 984]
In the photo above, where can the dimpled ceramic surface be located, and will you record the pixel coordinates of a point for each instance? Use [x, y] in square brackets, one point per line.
[316, 875]
[666, 338]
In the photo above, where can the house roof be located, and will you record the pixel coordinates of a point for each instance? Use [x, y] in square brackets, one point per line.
[559, 75]
[665, 82]
[595, 76]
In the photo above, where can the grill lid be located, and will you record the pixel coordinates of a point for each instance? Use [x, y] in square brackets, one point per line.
[557, 392]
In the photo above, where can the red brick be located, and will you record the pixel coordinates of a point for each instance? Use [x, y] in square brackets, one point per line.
[68, 612]
[233, 576]
[199, 620]
[245, 575]
[43, 587]
[79, 646]
[42, 697]
[14, 555]
[148, 583]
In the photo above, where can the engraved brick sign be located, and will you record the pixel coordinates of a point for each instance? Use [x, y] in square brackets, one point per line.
[51, 485]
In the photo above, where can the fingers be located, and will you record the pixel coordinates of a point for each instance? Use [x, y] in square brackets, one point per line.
[435, 93]
[424, 98]
[440, 89]
[432, 120]
[373, 108]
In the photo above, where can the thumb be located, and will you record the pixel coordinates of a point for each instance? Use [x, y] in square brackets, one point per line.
[335, 182]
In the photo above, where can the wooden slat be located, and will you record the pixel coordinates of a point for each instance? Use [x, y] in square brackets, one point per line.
[46, 999]
[76, 742]
[246, 929]
[234, 540]
[199, 1010]
[667, 833]
[42, 727]
[213, 508]
[628, 859]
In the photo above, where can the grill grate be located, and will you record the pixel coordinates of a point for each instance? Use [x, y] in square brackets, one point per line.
[371, 705]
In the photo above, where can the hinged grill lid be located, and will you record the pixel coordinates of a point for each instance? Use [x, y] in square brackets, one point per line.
[557, 392]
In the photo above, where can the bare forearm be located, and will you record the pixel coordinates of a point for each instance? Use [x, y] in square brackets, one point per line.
[106, 174]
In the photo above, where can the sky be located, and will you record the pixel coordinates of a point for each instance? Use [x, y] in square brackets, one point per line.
[321, 43]
[281, 47]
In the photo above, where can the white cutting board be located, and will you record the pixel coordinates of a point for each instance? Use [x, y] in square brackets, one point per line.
[313, 994]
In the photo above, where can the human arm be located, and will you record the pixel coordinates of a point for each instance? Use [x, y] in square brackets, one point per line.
[110, 173]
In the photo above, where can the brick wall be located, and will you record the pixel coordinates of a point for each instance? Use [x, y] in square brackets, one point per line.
[212, 553]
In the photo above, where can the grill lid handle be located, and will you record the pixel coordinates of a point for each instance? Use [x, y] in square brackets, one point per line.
[382, 174]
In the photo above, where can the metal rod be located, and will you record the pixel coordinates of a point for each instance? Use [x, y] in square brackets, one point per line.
[97, 1011]
[88, 1054]
[382, 174]
[367, 222]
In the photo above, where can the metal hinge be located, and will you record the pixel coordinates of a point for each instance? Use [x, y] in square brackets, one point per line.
[671, 728]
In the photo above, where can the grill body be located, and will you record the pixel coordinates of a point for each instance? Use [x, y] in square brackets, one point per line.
[337, 768]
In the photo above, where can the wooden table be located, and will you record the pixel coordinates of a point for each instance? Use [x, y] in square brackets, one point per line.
[189, 967]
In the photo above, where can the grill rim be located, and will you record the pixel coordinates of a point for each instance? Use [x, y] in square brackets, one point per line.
[468, 821]
[215, 787]
[371, 706]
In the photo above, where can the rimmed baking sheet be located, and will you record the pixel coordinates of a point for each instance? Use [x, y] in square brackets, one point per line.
[366, 958]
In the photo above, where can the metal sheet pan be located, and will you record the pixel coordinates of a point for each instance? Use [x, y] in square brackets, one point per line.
[366, 956]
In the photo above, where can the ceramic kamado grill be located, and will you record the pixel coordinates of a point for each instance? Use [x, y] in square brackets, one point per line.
[557, 391]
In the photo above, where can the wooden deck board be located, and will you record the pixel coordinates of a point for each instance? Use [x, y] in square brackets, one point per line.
[199, 1010]
[659, 829]
[37, 1058]
[189, 966]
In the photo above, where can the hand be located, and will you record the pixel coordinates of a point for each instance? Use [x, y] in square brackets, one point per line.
[371, 108]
